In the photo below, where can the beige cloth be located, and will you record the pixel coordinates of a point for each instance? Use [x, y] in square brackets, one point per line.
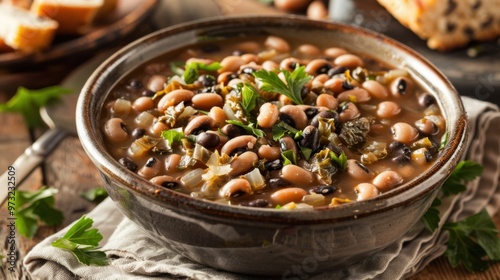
[135, 256]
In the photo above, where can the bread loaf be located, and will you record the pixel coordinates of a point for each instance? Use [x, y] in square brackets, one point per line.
[448, 24]
[73, 16]
[24, 31]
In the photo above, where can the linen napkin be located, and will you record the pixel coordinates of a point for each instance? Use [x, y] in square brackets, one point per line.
[135, 256]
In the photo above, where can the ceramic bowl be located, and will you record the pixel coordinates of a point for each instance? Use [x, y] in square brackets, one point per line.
[269, 241]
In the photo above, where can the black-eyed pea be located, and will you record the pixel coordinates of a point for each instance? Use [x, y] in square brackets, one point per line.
[388, 109]
[206, 101]
[289, 63]
[387, 180]
[199, 124]
[357, 95]
[358, 171]
[171, 163]
[173, 98]
[348, 60]
[218, 115]
[226, 77]
[284, 196]
[406, 171]
[165, 181]
[426, 127]
[158, 127]
[334, 52]
[235, 188]
[277, 43]
[366, 191]
[317, 10]
[250, 57]
[268, 115]
[296, 175]
[319, 81]
[309, 50]
[115, 130]
[150, 169]
[334, 84]
[240, 142]
[375, 89]
[248, 46]
[349, 112]
[403, 132]
[231, 63]
[269, 152]
[208, 140]
[318, 66]
[243, 163]
[327, 100]
[401, 86]
[294, 113]
[156, 83]
[143, 103]
[270, 65]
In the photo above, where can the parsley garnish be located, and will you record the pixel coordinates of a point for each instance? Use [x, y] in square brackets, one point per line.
[472, 238]
[464, 172]
[172, 136]
[444, 140]
[28, 103]
[82, 241]
[341, 160]
[249, 97]
[96, 195]
[292, 89]
[248, 127]
[281, 128]
[34, 206]
[191, 72]
[289, 157]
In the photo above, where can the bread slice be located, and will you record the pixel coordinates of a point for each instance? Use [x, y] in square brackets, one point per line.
[24, 31]
[73, 16]
[448, 24]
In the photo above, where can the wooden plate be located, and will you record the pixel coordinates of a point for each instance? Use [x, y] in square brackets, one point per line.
[128, 15]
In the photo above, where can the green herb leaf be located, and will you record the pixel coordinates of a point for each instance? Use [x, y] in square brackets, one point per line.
[306, 152]
[172, 136]
[82, 240]
[96, 195]
[289, 157]
[470, 240]
[464, 172]
[175, 67]
[191, 72]
[431, 217]
[28, 103]
[341, 160]
[292, 89]
[249, 97]
[248, 127]
[444, 140]
[34, 206]
[281, 128]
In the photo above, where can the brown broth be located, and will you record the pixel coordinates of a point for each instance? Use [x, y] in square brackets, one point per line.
[340, 186]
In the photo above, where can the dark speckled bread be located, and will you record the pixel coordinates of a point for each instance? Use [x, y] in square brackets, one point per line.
[448, 24]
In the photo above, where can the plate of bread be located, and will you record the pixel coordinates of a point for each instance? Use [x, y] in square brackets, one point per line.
[41, 31]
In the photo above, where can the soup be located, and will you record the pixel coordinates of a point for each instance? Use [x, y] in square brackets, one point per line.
[272, 122]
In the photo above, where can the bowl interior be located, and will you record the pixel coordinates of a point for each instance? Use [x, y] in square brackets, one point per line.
[363, 42]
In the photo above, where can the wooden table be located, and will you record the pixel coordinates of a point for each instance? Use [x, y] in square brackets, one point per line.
[70, 170]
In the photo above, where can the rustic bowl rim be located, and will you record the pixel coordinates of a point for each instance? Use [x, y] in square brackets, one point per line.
[408, 193]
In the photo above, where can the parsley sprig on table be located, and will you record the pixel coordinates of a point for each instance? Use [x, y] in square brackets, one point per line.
[473, 238]
[82, 241]
[32, 206]
[292, 89]
[28, 103]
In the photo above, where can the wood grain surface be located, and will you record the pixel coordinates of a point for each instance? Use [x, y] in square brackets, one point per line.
[71, 172]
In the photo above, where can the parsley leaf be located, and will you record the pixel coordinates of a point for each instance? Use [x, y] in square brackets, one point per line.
[281, 128]
[172, 136]
[341, 160]
[82, 241]
[249, 97]
[34, 206]
[96, 195]
[292, 89]
[470, 240]
[431, 217]
[444, 140]
[248, 127]
[289, 157]
[28, 103]
[191, 72]
[464, 172]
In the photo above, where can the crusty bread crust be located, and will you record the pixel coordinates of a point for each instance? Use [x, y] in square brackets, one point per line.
[448, 24]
